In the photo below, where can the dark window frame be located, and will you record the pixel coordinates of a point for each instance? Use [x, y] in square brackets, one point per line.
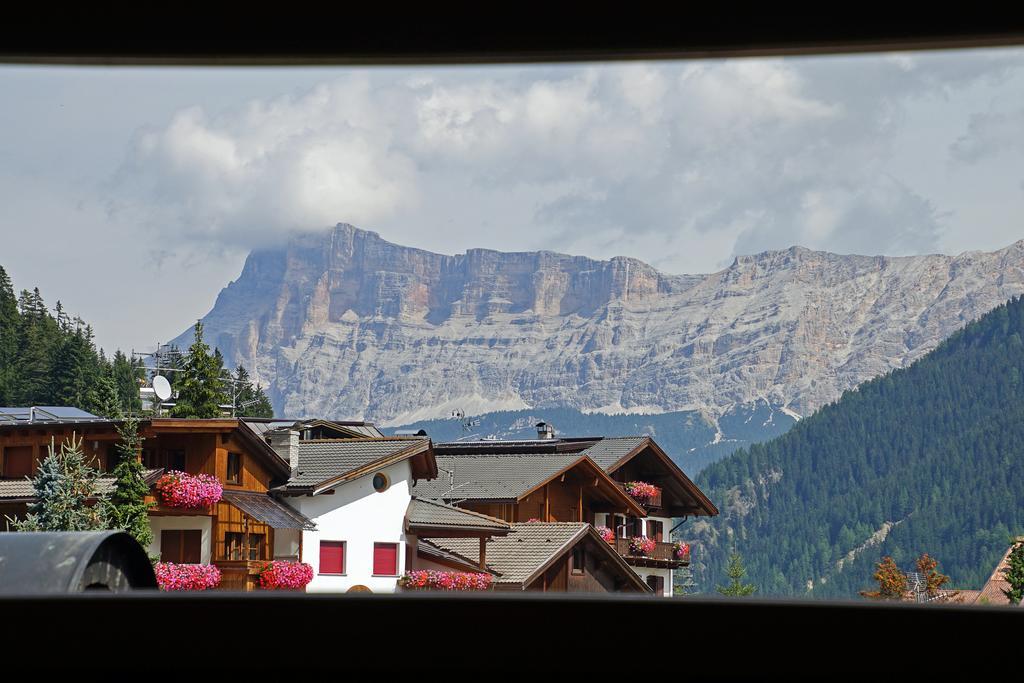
[237, 478]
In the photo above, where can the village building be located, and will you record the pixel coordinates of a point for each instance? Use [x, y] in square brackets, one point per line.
[237, 533]
[580, 479]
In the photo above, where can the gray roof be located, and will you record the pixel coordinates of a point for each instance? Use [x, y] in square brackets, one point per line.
[46, 415]
[438, 515]
[425, 547]
[517, 556]
[261, 427]
[263, 508]
[322, 461]
[22, 488]
[495, 476]
[609, 451]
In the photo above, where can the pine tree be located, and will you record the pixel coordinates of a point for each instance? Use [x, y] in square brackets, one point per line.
[103, 399]
[251, 400]
[9, 322]
[126, 508]
[201, 388]
[1014, 574]
[736, 572]
[64, 485]
[126, 375]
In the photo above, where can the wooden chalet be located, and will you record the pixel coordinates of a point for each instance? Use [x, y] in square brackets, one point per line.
[565, 557]
[573, 480]
[235, 534]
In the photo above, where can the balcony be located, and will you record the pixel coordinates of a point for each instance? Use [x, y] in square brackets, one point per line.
[663, 555]
[652, 502]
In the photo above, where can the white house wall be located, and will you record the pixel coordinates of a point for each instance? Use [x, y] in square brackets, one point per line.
[160, 523]
[359, 516]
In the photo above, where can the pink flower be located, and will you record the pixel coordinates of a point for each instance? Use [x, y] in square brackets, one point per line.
[181, 490]
[642, 545]
[283, 574]
[682, 550]
[641, 490]
[449, 581]
[606, 533]
[186, 577]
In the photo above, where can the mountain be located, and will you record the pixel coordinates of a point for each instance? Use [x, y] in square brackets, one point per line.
[348, 325]
[929, 458]
[687, 437]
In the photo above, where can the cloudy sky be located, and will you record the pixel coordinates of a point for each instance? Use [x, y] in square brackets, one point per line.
[134, 194]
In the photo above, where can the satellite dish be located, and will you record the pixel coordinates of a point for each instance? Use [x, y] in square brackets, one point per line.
[162, 387]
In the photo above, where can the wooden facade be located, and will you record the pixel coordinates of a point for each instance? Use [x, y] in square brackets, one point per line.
[220, 447]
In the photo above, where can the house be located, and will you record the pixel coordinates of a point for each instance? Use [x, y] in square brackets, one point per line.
[541, 556]
[580, 479]
[992, 592]
[357, 491]
[237, 533]
[374, 523]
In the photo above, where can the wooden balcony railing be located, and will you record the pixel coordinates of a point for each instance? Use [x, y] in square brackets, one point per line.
[239, 575]
[652, 503]
[663, 552]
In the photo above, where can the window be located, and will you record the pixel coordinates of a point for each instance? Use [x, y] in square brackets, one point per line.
[181, 546]
[234, 473]
[381, 482]
[579, 560]
[385, 559]
[167, 459]
[655, 530]
[17, 462]
[332, 557]
[657, 584]
[236, 548]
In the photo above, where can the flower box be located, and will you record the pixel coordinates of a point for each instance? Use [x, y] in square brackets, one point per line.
[192, 491]
[285, 575]
[186, 577]
[606, 533]
[641, 545]
[681, 550]
[445, 581]
[641, 490]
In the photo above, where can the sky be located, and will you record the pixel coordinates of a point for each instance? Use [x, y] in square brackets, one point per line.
[133, 194]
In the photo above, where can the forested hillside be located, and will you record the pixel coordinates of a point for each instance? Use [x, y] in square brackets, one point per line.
[50, 359]
[929, 458]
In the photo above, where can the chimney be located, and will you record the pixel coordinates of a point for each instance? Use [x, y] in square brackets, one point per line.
[545, 431]
[285, 443]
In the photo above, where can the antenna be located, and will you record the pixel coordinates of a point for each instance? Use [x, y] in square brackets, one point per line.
[467, 422]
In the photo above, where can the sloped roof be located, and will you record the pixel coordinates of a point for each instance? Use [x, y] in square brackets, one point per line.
[528, 549]
[433, 515]
[263, 508]
[520, 555]
[21, 489]
[321, 462]
[427, 549]
[992, 591]
[495, 476]
[611, 450]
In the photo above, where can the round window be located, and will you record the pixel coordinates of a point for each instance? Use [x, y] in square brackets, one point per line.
[380, 482]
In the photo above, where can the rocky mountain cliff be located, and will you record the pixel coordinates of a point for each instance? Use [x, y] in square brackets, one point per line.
[348, 325]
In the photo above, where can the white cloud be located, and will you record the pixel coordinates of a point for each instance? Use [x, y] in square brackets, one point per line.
[637, 159]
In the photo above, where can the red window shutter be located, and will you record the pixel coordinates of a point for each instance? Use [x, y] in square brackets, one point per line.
[385, 559]
[332, 557]
[192, 546]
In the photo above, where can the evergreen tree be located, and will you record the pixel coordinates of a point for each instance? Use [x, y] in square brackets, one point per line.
[1014, 574]
[9, 322]
[736, 572]
[126, 508]
[64, 485]
[126, 375]
[37, 340]
[201, 388]
[103, 399]
[250, 399]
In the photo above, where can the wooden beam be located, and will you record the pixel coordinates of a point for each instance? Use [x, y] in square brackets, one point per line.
[547, 504]
[483, 553]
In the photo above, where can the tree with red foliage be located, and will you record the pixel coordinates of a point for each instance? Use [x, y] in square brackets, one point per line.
[892, 583]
